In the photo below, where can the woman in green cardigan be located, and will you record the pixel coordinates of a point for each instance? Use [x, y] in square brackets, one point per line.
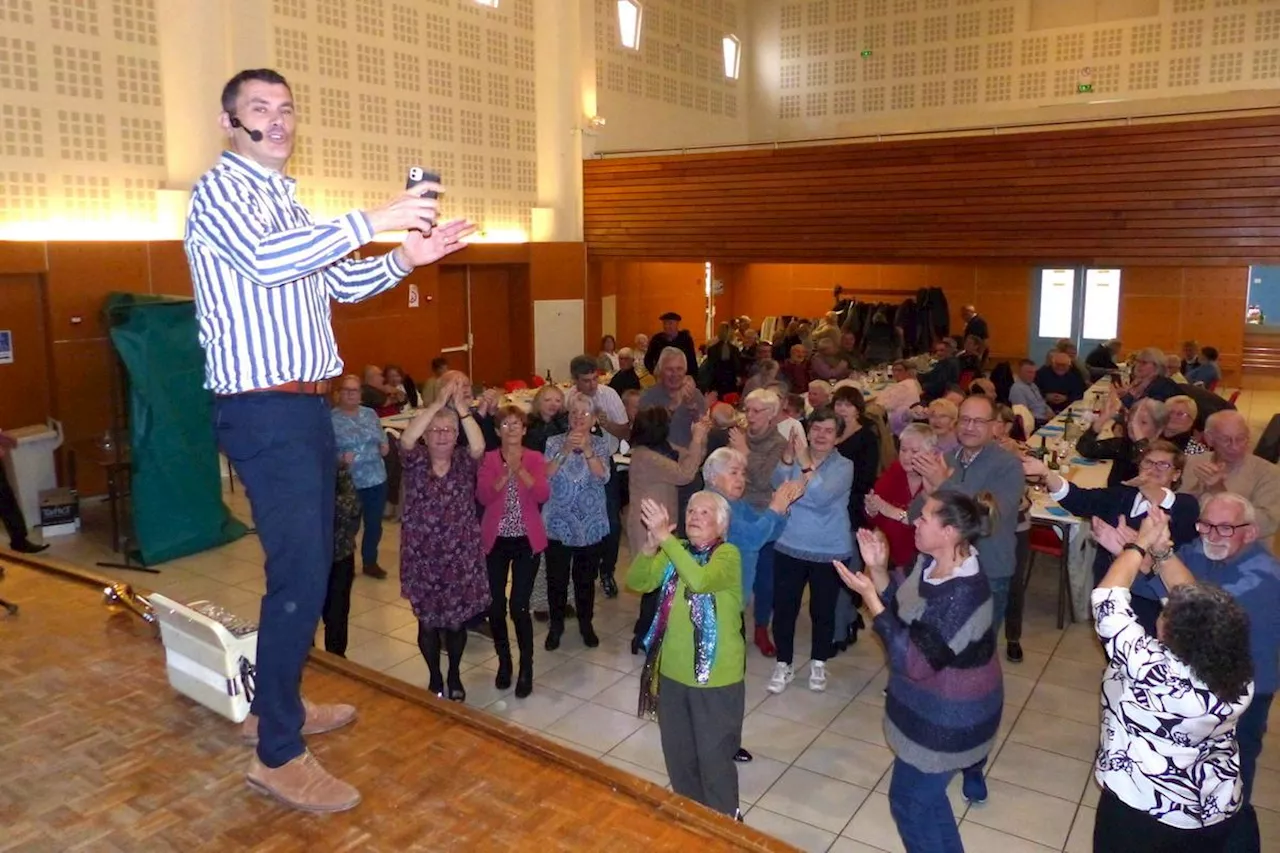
[695, 652]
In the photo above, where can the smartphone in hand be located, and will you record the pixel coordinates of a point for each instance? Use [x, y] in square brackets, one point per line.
[417, 175]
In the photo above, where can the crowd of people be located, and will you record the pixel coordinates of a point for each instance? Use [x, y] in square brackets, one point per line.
[743, 486]
[759, 471]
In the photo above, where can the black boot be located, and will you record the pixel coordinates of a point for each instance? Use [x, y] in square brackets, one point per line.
[584, 596]
[502, 646]
[554, 633]
[429, 645]
[524, 640]
[455, 642]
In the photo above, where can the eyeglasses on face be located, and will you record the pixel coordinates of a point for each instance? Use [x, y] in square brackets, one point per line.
[975, 421]
[443, 430]
[1226, 531]
[1156, 464]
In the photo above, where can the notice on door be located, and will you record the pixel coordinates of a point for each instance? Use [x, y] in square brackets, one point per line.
[1057, 298]
[6, 346]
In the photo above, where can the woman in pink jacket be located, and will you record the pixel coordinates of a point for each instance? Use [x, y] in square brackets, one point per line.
[511, 486]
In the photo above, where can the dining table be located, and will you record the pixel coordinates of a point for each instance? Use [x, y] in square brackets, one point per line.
[1082, 474]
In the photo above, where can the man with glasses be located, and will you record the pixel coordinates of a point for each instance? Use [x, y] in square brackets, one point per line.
[1232, 468]
[611, 416]
[981, 465]
[1228, 554]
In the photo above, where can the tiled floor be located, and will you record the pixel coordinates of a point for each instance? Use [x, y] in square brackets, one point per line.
[820, 776]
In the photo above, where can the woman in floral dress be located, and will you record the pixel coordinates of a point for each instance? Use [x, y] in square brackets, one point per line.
[442, 569]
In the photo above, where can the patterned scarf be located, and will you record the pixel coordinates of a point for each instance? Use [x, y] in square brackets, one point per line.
[702, 613]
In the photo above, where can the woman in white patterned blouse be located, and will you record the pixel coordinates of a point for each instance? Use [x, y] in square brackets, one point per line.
[1168, 761]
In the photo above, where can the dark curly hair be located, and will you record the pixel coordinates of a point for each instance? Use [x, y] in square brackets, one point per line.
[1209, 631]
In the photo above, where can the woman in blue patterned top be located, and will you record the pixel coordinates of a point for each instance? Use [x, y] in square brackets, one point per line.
[362, 446]
[576, 519]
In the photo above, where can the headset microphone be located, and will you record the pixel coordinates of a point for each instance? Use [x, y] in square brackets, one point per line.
[255, 135]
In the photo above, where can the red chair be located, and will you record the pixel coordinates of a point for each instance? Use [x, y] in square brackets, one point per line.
[731, 398]
[537, 382]
[1235, 395]
[966, 378]
[513, 385]
[1051, 538]
[1212, 386]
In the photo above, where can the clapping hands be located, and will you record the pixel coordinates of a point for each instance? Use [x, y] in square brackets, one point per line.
[656, 523]
[932, 469]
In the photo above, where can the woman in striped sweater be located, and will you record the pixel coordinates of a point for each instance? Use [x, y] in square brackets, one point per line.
[945, 692]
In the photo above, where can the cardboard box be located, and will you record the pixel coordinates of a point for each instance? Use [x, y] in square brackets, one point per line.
[59, 512]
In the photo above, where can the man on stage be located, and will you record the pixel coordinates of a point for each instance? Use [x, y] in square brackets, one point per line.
[264, 274]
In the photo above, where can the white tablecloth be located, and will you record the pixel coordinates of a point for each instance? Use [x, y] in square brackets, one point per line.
[1085, 474]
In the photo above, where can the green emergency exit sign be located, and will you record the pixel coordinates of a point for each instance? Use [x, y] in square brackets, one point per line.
[1084, 88]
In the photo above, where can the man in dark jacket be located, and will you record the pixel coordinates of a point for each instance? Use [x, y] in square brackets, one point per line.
[1059, 382]
[671, 336]
[1102, 360]
[944, 373]
[625, 378]
[975, 325]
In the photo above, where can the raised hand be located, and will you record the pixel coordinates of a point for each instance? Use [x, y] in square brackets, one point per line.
[873, 504]
[406, 210]
[1153, 534]
[862, 585]
[420, 248]
[738, 441]
[874, 550]
[933, 469]
[657, 524]
[785, 495]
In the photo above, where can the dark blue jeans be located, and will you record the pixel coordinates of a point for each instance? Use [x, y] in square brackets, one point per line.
[920, 808]
[283, 450]
[373, 500]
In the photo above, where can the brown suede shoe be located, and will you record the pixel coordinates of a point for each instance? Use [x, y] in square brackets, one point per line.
[373, 570]
[320, 719]
[302, 784]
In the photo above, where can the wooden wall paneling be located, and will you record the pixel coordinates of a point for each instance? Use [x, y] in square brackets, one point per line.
[385, 329]
[451, 315]
[557, 271]
[1150, 321]
[1179, 194]
[520, 323]
[80, 277]
[170, 274]
[491, 363]
[82, 398]
[1002, 294]
[591, 317]
[24, 384]
[18, 258]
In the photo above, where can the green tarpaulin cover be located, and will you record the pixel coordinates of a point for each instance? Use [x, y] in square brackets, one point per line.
[177, 484]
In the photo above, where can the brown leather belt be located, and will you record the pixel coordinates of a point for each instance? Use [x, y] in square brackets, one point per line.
[296, 387]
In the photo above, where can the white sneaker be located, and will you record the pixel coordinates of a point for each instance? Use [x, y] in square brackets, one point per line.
[817, 676]
[782, 676]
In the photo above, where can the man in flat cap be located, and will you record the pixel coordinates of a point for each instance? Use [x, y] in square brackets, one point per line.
[671, 336]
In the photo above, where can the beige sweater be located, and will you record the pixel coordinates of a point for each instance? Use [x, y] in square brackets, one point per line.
[1254, 478]
[658, 478]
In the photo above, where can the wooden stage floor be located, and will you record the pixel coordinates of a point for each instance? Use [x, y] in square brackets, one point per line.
[97, 753]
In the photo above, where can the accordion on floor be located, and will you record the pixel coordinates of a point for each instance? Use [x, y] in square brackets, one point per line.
[209, 654]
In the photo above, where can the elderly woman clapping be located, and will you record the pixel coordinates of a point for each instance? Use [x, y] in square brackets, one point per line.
[442, 567]
[693, 672]
[1169, 761]
[576, 519]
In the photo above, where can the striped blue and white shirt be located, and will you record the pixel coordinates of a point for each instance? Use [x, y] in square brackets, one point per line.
[264, 274]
